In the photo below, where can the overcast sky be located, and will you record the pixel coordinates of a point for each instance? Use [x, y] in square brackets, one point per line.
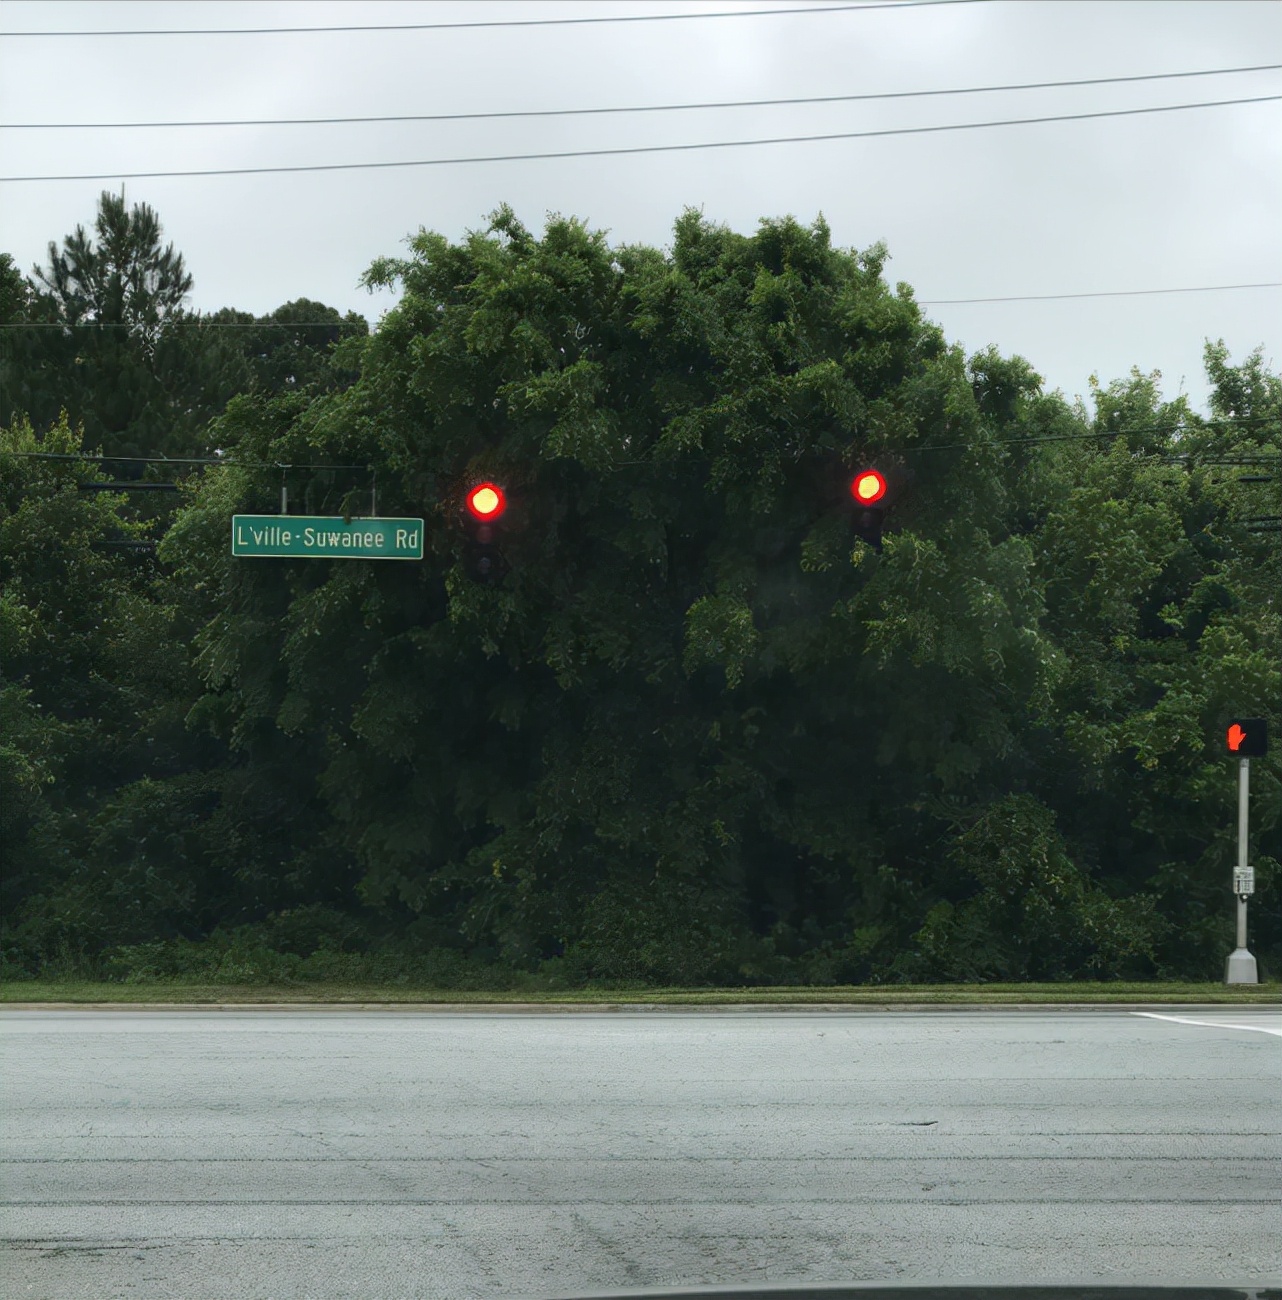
[1156, 201]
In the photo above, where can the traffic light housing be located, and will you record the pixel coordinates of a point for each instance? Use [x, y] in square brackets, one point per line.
[483, 509]
[868, 492]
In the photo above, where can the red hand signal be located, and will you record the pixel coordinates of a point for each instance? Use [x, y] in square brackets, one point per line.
[1236, 737]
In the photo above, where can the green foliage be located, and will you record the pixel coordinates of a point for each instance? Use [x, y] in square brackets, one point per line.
[292, 349]
[59, 582]
[719, 630]
[700, 734]
[105, 336]
[123, 279]
[1166, 604]
[660, 932]
[103, 787]
[1036, 916]
[104, 340]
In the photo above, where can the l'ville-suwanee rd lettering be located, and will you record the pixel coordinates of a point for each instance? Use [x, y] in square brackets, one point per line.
[314, 538]
[275, 535]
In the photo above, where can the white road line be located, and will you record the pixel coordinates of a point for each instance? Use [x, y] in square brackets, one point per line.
[1214, 1024]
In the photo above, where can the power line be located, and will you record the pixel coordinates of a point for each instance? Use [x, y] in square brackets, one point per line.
[517, 22]
[198, 324]
[1110, 293]
[648, 148]
[171, 460]
[193, 323]
[1036, 439]
[1219, 458]
[636, 108]
[141, 460]
[1227, 461]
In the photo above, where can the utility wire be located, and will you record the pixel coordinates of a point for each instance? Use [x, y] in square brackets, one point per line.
[515, 22]
[1111, 293]
[194, 323]
[636, 108]
[197, 324]
[1115, 433]
[649, 148]
[1244, 458]
[171, 460]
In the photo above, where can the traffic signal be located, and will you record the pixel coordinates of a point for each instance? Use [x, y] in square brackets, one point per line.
[866, 489]
[483, 507]
[1247, 737]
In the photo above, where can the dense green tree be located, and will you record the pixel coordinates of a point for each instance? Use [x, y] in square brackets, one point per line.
[102, 333]
[700, 731]
[695, 685]
[95, 680]
[291, 349]
[20, 346]
[14, 291]
[124, 279]
[1157, 592]
[105, 339]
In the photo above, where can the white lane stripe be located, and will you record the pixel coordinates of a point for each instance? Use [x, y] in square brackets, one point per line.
[1214, 1024]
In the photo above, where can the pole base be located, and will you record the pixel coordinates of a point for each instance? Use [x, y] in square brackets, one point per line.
[1240, 968]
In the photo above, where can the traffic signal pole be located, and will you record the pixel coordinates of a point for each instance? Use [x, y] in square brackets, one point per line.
[1240, 968]
[1246, 738]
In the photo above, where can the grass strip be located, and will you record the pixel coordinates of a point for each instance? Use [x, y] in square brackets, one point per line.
[1173, 994]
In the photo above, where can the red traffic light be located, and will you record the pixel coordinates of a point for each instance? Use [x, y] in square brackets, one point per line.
[867, 486]
[486, 501]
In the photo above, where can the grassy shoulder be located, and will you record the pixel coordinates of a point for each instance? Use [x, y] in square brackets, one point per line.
[190, 993]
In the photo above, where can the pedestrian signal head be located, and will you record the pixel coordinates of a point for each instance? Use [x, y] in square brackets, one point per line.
[486, 502]
[867, 486]
[1247, 737]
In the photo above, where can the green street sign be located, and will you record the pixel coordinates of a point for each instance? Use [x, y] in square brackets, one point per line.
[313, 537]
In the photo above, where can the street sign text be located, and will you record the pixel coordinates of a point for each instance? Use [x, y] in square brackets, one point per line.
[320, 538]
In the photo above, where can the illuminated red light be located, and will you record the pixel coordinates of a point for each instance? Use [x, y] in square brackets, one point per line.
[486, 501]
[868, 486]
[1247, 737]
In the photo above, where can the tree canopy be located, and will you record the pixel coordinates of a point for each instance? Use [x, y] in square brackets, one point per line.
[103, 332]
[701, 732]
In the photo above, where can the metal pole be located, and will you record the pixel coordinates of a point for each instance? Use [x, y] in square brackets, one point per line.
[1240, 968]
[1243, 805]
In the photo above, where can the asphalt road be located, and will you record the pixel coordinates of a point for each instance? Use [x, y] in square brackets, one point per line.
[224, 1155]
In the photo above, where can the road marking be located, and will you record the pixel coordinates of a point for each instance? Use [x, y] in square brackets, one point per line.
[1213, 1024]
